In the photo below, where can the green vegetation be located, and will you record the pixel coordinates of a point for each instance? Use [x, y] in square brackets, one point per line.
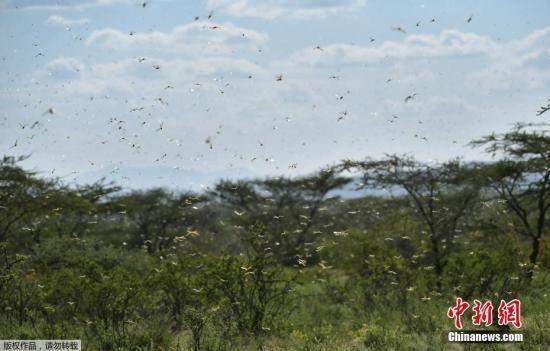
[282, 264]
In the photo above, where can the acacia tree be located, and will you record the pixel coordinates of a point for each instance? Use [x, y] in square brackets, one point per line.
[156, 216]
[23, 197]
[288, 208]
[254, 286]
[521, 179]
[31, 205]
[78, 209]
[188, 294]
[441, 194]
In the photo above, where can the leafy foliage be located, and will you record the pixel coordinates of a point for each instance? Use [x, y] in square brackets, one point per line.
[279, 263]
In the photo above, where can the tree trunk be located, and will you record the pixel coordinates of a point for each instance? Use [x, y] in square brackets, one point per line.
[535, 249]
[438, 264]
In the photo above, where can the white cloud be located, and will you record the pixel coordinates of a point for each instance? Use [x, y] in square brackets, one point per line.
[175, 68]
[271, 9]
[533, 50]
[129, 75]
[522, 62]
[487, 63]
[454, 75]
[194, 36]
[539, 37]
[82, 78]
[449, 43]
[57, 20]
[58, 4]
[483, 62]
[62, 68]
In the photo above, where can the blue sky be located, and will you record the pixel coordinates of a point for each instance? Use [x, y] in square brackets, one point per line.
[154, 96]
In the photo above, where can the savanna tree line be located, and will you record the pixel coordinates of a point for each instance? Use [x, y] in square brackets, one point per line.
[250, 261]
